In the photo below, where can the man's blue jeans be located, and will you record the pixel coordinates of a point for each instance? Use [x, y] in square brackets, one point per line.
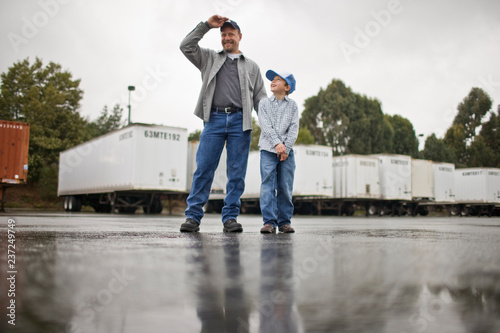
[222, 128]
[276, 188]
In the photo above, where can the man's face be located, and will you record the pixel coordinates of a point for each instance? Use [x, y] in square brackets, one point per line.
[230, 39]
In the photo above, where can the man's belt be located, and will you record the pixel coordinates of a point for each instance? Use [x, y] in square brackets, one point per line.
[228, 109]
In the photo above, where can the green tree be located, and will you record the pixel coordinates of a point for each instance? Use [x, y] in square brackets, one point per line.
[107, 122]
[436, 150]
[194, 136]
[471, 112]
[346, 121]
[49, 100]
[305, 137]
[405, 141]
[254, 143]
[455, 139]
[462, 133]
[484, 149]
[480, 155]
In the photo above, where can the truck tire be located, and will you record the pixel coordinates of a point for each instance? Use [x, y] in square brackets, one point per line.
[372, 210]
[454, 210]
[156, 207]
[72, 203]
[490, 210]
[465, 211]
[423, 210]
[348, 209]
[66, 204]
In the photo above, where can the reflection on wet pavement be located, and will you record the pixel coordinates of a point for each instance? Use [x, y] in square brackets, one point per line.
[277, 309]
[101, 273]
[221, 301]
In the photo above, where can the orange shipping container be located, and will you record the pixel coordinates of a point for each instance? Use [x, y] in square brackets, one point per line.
[14, 145]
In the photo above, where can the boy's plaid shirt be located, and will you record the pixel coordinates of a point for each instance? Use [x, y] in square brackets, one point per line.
[279, 123]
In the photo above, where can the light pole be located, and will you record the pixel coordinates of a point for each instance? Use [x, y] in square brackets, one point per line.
[130, 88]
[418, 140]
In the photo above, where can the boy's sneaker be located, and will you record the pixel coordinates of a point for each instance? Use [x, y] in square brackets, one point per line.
[232, 226]
[268, 229]
[190, 226]
[286, 229]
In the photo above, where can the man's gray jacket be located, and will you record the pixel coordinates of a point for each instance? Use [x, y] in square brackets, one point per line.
[209, 63]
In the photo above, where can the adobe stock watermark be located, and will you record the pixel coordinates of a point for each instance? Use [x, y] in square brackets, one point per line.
[488, 84]
[309, 265]
[74, 157]
[372, 29]
[224, 6]
[152, 80]
[31, 26]
[428, 312]
[266, 307]
[447, 118]
[103, 297]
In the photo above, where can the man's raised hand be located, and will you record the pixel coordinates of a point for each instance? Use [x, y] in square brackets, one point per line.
[216, 21]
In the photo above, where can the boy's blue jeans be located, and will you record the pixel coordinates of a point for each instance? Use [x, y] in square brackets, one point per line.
[276, 188]
[222, 128]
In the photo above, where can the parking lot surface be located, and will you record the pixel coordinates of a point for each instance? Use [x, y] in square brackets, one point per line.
[90, 272]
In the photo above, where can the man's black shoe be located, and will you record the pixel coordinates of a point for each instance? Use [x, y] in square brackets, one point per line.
[190, 226]
[232, 226]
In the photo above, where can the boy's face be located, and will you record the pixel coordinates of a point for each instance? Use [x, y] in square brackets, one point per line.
[230, 39]
[279, 85]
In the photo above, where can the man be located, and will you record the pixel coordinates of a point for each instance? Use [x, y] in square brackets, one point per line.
[232, 86]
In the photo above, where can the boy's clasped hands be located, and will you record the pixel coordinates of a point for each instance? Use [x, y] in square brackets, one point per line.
[281, 150]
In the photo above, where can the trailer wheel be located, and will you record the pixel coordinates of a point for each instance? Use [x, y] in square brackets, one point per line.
[465, 211]
[348, 209]
[412, 209]
[65, 204]
[155, 208]
[381, 210]
[72, 204]
[243, 208]
[423, 210]
[372, 210]
[490, 210]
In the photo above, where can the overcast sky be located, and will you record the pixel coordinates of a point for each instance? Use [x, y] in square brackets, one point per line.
[419, 58]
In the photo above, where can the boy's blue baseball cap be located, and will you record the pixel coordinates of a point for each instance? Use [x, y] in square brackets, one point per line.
[288, 77]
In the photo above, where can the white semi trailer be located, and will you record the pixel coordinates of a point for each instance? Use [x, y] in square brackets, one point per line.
[125, 169]
[477, 191]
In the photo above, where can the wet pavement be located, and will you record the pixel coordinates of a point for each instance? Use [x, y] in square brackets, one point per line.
[136, 273]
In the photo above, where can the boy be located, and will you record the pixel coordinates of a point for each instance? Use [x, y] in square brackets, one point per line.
[279, 123]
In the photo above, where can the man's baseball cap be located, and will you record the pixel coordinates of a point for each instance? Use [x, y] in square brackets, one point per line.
[232, 24]
[288, 77]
